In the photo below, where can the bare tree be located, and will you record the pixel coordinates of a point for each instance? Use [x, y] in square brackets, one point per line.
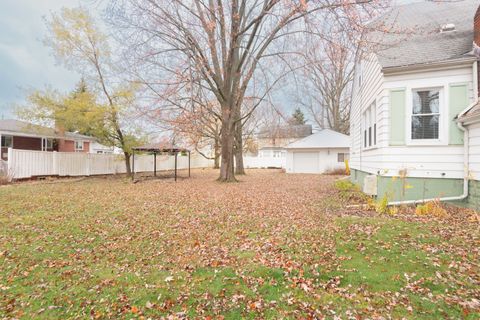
[329, 78]
[224, 42]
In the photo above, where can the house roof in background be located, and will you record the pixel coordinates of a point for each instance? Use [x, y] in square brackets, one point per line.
[22, 127]
[323, 139]
[286, 131]
[416, 38]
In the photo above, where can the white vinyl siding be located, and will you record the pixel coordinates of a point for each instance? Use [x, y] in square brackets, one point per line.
[439, 160]
[474, 150]
[364, 97]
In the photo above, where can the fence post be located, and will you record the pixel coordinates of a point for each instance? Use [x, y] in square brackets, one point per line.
[55, 163]
[88, 164]
[10, 171]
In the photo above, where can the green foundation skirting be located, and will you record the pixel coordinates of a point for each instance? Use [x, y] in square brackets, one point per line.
[398, 189]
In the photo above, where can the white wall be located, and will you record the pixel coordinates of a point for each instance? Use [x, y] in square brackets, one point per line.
[364, 95]
[264, 162]
[26, 163]
[436, 161]
[474, 150]
[327, 159]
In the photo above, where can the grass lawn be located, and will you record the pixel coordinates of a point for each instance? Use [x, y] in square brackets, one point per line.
[271, 246]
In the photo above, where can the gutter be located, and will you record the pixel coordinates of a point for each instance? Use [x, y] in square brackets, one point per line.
[452, 63]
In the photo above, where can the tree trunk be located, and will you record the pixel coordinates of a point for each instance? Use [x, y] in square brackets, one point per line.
[127, 163]
[227, 144]
[216, 150]
[239, 168]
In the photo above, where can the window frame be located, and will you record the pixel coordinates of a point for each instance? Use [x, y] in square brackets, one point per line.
[3, 138]
[441, 117]
[342, 154]
[369, 126]
[75, 145]
[46, 145]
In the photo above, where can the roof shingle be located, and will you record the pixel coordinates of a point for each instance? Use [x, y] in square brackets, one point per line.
[415, 36]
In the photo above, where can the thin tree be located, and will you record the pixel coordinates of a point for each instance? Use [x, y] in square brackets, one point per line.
[77, 42]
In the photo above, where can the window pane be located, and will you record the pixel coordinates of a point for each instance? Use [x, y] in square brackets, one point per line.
[370, 136]
[425, 127]
[6, 141]
[340, 157]
[426, 102]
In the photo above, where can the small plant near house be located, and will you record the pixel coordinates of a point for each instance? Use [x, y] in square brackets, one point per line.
[381, 206]
[345, 186]
[431, 208]
[350, 192]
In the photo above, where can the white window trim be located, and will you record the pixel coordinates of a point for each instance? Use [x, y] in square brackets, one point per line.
[374, 132]
[75, 145]
[45, 146]
[442, 124]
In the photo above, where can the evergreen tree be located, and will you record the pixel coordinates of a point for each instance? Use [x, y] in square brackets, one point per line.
[297, 118]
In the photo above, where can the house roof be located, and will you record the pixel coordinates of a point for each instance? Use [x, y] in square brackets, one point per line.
[325, 138]
[22, 127]
[160, 147]
[471, 115]
[288, 131]
[416, 39]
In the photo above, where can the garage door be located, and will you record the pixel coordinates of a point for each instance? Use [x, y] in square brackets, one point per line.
[305, 162]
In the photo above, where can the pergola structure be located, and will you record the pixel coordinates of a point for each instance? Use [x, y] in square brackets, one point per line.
[156, 149]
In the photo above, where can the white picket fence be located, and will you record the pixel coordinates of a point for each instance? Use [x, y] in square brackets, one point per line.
[24, 164]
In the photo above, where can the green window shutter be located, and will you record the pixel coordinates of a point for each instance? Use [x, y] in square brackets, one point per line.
[458, 101]
[397, 117]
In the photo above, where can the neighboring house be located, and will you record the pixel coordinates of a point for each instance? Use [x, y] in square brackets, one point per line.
[272, 141]
[96, 147]
[406, 143]
[23, 135]
[321, 152]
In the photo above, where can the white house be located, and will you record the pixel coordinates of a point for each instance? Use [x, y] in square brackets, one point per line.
[320, 152]
[98, 148]
[406, 142]
[271, 142]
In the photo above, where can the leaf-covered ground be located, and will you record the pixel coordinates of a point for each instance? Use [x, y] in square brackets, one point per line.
[271, 246]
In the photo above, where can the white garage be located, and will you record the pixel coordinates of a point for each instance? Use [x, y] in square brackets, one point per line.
[320, 152]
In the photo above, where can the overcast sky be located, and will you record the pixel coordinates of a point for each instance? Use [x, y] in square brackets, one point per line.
[25, 62]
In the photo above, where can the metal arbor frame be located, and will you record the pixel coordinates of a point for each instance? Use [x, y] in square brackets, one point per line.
[156, 150]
